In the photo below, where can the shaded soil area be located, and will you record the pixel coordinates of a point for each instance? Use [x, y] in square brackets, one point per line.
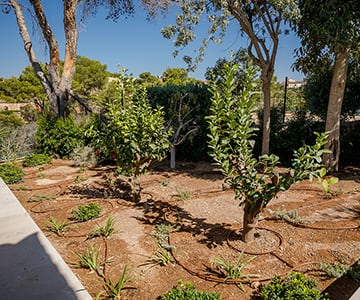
[205, 223]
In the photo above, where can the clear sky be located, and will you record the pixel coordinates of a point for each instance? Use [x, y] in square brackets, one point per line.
[132, 42]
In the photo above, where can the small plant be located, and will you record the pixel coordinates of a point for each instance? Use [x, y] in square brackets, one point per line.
[183, 195]
[89, 259]
[294, 286]
[36, 159]
[55, 227]
[288, 216]
[22, 188]
[164, 182]
[230, 270]
[104, 231]
[11, 173]
[40, 198]
[187, 291]
[160, 256]
[114, 288]
[79, 179]
[84, 156]
[41, 175]
[86, 212]
[326, 182]
[161, 234]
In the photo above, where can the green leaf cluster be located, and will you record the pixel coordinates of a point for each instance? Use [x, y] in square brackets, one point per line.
[294, 286]
[36, 159]
[86, 212]
[187, 291]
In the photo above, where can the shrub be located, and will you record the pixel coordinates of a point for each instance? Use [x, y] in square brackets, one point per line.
[58, 135]
[86, 212]
[36, 159]
[187, 291]
[11, 173]
[84, 156]
[294, 286]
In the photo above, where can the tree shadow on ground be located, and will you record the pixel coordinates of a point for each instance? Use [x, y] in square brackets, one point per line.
[156, 212]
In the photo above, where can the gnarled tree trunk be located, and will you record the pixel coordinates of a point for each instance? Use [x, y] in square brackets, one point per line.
[266, 88]
[331, 160]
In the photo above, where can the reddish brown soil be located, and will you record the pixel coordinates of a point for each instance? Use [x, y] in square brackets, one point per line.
[208, 223]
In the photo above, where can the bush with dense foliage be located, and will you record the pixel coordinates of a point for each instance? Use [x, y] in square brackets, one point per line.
[11, 173]
[293, 286]
[58, 136]
[36, 159]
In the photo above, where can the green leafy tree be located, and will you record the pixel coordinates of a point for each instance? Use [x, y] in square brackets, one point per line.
[176, 76]
[147, 79]
[90, 76]
[329, 30]
[260, 22]
[134, 133]
[255, 181]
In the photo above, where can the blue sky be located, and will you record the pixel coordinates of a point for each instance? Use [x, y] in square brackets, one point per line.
[132, 43]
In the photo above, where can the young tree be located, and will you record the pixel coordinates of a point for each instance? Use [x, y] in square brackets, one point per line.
[134, 133]
[57, 81]
[260, 22]
[329, 30]
[255, 181]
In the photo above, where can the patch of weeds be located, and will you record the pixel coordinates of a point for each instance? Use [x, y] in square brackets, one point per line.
[22, 188]
[182, 195]
[55, 227]
[335, 270]
[164, 181]
[294, 286]
[86, 212]
[79, 179]
[160, 256]
[104, 231]
[113, 288]
[288, 216]
[89, 259]
[230, 270]
[84, 156]
[188, 291]
[161, 234]
[36, 159]
[11, 173]
[41, 175]
[39, 198]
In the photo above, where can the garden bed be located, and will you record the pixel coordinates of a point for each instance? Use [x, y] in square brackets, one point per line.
[205, 223]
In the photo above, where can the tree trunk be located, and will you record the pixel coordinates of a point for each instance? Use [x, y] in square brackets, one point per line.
[266, 86]
[331, 160]
[135, 189]
[251, 215]
[172, 157]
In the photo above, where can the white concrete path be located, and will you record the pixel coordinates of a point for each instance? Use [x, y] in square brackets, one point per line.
[30, 267]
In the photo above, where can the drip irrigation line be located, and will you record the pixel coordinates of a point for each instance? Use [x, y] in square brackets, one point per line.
[257, 253]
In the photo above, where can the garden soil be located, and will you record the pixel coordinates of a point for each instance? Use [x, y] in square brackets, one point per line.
[205, 222]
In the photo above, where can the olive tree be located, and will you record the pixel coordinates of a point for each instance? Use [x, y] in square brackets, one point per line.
[260, 22]
[256, 181]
